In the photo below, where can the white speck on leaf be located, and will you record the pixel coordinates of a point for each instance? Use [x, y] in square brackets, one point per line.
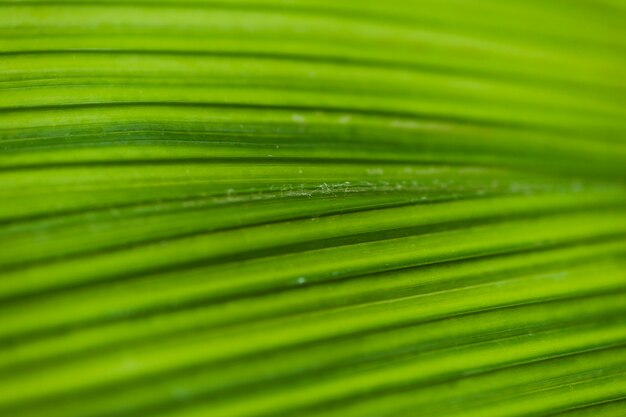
[298, 118]
[375, 171]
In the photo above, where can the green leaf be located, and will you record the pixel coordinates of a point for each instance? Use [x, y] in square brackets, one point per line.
[312, 208]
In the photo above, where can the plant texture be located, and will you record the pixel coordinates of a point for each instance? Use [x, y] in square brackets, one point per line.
[347, 208]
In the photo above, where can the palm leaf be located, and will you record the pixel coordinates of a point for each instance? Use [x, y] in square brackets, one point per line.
[312, 207]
